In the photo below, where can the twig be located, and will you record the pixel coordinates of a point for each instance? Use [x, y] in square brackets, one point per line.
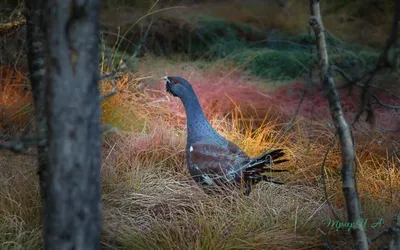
[142, 41]
[383, 89]
[291, 122]
[368, 92]
[111, 93]
[358, 84]
[19, 144]
[323, 178]
[382, 103]
[383, 61]
[380, 234]
[393, 230]
[348, 78]
[309, 85]
[395, 242]
[111, 75]
[327, 244]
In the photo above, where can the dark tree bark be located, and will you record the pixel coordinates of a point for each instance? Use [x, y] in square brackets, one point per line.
[72, 211]
[342, 128]
[36, 62]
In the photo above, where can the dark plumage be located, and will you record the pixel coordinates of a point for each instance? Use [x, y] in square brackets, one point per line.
[211, 159]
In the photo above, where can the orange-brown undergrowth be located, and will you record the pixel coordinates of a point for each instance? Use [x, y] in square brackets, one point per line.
[150, 201]
[15, 100]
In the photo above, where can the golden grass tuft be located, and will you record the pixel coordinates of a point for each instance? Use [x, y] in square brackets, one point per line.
[146, 200]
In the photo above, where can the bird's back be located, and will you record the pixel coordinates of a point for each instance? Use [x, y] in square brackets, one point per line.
[211, 162]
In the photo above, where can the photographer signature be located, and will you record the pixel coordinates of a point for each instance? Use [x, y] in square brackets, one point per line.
[350, 225]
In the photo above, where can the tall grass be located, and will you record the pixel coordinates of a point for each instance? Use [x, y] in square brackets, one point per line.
[150, 201]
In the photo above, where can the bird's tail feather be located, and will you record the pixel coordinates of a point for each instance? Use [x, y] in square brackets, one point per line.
[257, 167]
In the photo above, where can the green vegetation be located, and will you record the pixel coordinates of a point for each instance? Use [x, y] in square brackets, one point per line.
[271, 54]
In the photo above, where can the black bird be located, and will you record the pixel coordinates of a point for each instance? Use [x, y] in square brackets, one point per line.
[211, 159]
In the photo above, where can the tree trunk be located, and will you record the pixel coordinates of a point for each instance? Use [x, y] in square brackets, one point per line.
[72, 210]
[342, 128]
[36, 61]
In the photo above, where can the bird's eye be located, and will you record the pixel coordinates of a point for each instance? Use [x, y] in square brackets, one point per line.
[176, 81]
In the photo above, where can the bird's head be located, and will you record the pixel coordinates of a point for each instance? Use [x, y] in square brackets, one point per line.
[179, 87]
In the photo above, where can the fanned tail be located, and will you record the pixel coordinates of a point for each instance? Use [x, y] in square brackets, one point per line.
[257, 167]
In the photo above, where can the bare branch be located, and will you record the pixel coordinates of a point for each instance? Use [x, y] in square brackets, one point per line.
[112, 74]
[112, 77]
[327, 244]
[366, 100]
[395, 242]
[382, 103]
[382, 89]
[112, 92]
[394, 231]
[291, 122]
[344, 75]
[380, 234]
[19, 144]
[351, 81]
[343, 129]
[142, 41]
[324, 181]
[383, 61]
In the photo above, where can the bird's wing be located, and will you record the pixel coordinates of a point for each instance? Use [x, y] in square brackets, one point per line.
[209, 162]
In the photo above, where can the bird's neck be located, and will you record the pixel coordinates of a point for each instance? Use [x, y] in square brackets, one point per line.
[197, 124]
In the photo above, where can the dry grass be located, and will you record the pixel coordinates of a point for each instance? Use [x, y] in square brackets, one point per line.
[15, 101]
[150, 201]
[20, 224]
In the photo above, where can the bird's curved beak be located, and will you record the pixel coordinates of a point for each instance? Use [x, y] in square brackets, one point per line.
[168, 86]
[166, 79]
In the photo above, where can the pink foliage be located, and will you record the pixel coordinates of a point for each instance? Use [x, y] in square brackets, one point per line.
[316, 103]
[219, 94]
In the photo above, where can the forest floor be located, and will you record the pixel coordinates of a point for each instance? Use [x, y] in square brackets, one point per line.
[149, 199]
